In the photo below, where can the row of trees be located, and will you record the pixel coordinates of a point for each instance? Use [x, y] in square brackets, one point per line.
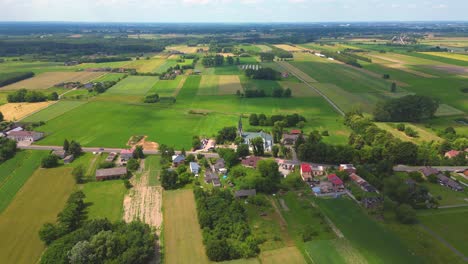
[9, 78]
[263, 74]
[101, 87]
[213, 61]
[343, 58]
[24, 95]
[276, 92]
[226, 232]
[410, 108]
[74, 240]
[287, 120]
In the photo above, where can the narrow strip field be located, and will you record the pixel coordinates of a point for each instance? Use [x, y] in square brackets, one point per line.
[182, 234]
[49, 79]
[133, 85]
[53, 111]
[39, 201]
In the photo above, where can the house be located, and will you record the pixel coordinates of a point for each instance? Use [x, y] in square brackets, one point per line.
[245, 193]
[284, 75]
[349, 168]
[250, 162]
[59, 153]
[112, 173]
[317, 170]
[14, 130]
[178, 160]
[88, 85]
[336, 181]
[220, 166]
[466, 172]
[356, 178]
[295, 132]
[126, 154]
[30, 136]
[209, 176]
[452, 153]
[290, 139]
[446, 181]
[426, 171]
[247, 137]
[194, 168]
[68, 159]
[306, 172]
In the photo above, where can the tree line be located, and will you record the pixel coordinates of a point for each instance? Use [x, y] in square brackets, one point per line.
[263, 74]
[9, 78]
[24, 95]
[288, 120]
[7, 149]
[410, 108]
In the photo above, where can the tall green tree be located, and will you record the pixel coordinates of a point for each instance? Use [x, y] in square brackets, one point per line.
[258, 147]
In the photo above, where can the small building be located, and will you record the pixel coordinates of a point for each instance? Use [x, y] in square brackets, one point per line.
[178, 160]
[112, 173]
[336, 181]
[14, 130]
[88, 85]
[220, 166]
[30, 136]
[349, 168]
[245, 193]
[296, 132]
[317, 170]
[126, 154]
[306, 172]
[426, 171]
[466, 172]
[290, 139]
[452, 154]
[216, 182]
[250, 162]
[194, 168]
[68, 159]
[446, 181]
[59, 153]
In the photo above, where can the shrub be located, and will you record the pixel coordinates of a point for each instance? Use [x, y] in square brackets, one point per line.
[50, 161]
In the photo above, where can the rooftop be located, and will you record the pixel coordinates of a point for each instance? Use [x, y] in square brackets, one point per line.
[111, 172]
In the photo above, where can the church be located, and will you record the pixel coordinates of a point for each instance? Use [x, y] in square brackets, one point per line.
[248, 136]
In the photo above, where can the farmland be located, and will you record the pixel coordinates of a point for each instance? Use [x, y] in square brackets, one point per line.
[133, 85]
[17, 111]
[105, 199]
[53, 111]
[49, 79]
[39, 201]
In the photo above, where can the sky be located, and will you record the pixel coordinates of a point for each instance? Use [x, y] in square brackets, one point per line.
[233, 10]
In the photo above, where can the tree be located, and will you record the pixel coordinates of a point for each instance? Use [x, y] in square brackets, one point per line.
[1, 117]
[78, 173]
[406, 214]
[53, 96]
[230, 60]
[138, 153]
[270, 176]
[275, 150]
[258, 147]
[253, 120]
[393, 87]
[196, 143]
[75, 148]
[169, 179]
[287, 93]
[133, 164]
[49, 232]
[230, 157]
[408, 108]
[81, 253]
[66, 145]
[50, 161]
[243, 150]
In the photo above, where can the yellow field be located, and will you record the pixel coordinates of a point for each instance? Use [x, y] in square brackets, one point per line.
[182, 234]
[49, 79]
[17, 111]
[38, 202]
[186, 49]
[449, 55]
[229, 84]
[144, 65]
[290, 255]
[288, 47]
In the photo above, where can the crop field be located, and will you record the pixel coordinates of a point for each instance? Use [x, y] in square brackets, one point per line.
[17, 111]
[133, 85]
[182, 234]
[288, 47]
[49, 79]
[35, 66]
[251, 48]
[186, 49]
[110, 77]
[53, 111]
[264, 48]
[219, 85]
[38, 202]
[152, 164]
[373, 241]
[299, 89]
[168, 87]
[333, 251]
[208, 85]
[105, 198]
[455, 56]
[448, 224]
[144, 65]
[290, 255]
[15, 172]
[296, 71]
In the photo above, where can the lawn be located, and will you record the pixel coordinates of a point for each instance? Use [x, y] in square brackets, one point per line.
[375, 243]
[448, 223]
[54, 111]
[133, 85]
[449, 197]
[15, 172]
[38, 202]
[181, 232]
[105, 199]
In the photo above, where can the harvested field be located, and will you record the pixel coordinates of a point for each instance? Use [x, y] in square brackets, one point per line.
[290, 255]
[455, 56]
[186, 49]
[182, 234]
[296, 71]
[227, 54]
[229, 84]
[288, 47]
[17, 111]
[49, 79]
[53, 111]
[299, 89]
[144, 65]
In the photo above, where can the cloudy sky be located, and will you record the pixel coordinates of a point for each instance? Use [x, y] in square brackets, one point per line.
[232, 10]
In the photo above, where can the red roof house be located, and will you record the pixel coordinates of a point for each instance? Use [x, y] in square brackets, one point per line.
[452, 153]
[306, 172]
[335, 180]
[296, 132]
[250, 162]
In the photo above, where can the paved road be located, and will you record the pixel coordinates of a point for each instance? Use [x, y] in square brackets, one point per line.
[108, 150]
[405, 168]
[317, 91]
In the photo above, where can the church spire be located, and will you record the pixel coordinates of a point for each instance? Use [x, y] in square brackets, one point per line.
[239, 127]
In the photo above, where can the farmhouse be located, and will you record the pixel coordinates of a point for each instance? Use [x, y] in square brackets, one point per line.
[349, 168]
[245, 193]
[30, 136]
[250, 162]
[126, 154]
[317, 170]
[306, 172]
[337, 182]
[111, 157]
[178, 160]
[112, 173]
[247, 137]
[194, 168]
[59, 153]
[68, 159]
[452, 153]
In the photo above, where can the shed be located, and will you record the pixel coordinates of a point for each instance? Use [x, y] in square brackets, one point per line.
[59, 153]
[112, 173]
[245, 193]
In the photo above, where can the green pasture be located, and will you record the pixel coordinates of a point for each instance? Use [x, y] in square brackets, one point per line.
[334, 251]
[166, 87]
[54, 111]
[446, 195]
[15, 172]
[133, 85]
[375, 243]
[110, 77]
[249, 48]
[105, 199]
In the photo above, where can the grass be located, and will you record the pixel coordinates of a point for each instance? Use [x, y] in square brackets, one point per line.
[15, 172]
[110, 77]
[290, 255]
[182, 234]
[449, 197]
[144, 65]
[152, 163]
[166, 87]
[209, 85]
[133, 85]
[54, 111]
[190, 88]
[424, 135]
[105, 199]
[38, 202]
[375, 243]
[324, 251]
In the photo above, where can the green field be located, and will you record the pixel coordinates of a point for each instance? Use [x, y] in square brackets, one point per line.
[133, 85]
[372, 240]
[166, 87]
[110, 77]
[15, 172]
[38, 202]
[448, 196]
[153, 165]
[105, 199]
[54, 111]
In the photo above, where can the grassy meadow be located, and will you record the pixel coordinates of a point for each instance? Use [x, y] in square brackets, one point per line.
[105, 199]
[133, 85]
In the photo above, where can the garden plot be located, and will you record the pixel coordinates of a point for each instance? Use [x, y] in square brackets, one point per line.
[49, 79]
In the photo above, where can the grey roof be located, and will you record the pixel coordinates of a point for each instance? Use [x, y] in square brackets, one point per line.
[194, 166]
[429, 171]
[244, 193]
[219, 164]
[69, 157]
[111, 172]
[178, 158]
[251, 135]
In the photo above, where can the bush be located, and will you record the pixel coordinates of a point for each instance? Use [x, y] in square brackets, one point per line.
[411, 132]
[406, 214]
[133, 164]
[401, 127]
[106, 165]
[50, 161]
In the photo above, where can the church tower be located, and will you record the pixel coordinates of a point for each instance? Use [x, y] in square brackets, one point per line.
[240, 131]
